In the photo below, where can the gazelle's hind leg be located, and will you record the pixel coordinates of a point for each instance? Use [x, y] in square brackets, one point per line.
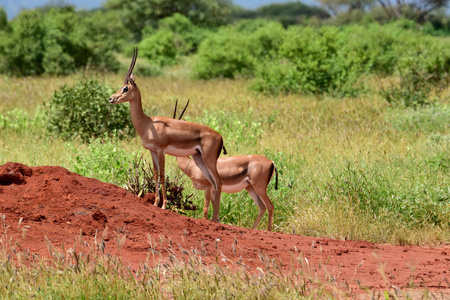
[209, 170]
[263, 202]
[258, 202]
[158, 159]
[208, 193]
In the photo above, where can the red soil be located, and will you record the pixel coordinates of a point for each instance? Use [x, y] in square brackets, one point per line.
[58, 204]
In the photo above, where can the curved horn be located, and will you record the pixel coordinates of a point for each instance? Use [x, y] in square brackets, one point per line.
[175, 110]
[182, 113]
[130, 69]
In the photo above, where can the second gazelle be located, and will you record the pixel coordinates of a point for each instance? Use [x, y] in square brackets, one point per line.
[178, 138]
[250, 172]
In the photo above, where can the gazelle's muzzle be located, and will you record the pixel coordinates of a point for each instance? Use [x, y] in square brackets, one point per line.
[112, 99]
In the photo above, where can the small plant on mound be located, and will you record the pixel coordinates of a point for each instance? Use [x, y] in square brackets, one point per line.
[141, 181]
[104, 160]
[83, 111]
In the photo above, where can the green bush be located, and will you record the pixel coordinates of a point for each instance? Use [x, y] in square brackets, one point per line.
[160, 48]
[141, 181]
[423, 69]
[328, 60]
[237, 50]
[83, 111]
[60, 41]
[176, 36]
[105, 160]
[372, 47]
[309, 61]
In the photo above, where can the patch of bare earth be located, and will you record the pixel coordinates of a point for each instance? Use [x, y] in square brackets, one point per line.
[60, 205]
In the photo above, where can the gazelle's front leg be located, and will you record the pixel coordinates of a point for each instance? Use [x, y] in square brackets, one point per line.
[158, 159]
[209, 170]
[208, 192]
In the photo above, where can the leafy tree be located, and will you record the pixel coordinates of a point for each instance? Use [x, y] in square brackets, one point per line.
[60, 41]
[176, 36]
[83, 111]
[24, 48]
[416, 10]
[337, 6]
[286, 13]
[236, 50]
[136, 14]
[3, 19]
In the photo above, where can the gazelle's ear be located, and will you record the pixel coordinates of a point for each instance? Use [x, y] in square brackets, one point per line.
[132, 77]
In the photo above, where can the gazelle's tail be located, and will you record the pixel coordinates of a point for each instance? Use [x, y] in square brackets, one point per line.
[276, 176]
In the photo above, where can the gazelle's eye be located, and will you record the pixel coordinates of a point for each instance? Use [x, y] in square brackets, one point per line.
[125, 89]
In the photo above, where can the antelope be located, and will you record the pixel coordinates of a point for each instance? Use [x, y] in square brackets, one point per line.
[250, 172]
[178, 138]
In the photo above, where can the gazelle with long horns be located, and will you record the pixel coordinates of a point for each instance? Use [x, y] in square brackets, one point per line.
[179, 138]
[250, 172]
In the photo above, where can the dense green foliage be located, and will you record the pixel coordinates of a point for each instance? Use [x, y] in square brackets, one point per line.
[175, 37]
[83, 111]
[59, 41]
[104, 159]
[327, 60]
[141, 181]
[137, 14]
[410, 63]
[237, 50]
[288, 13]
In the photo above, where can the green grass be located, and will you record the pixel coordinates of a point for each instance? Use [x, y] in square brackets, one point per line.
[351, 168]
[348, 168]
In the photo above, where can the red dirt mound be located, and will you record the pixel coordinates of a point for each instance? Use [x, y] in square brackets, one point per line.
[58, 204]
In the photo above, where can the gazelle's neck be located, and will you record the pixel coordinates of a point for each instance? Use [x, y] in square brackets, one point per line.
[138, 117]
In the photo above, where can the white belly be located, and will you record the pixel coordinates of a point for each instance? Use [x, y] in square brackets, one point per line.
[180, 152]
[234, 188]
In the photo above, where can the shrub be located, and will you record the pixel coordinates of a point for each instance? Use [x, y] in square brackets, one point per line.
[60, 41]
[105, 160]
[83, 111]
[176, 36]
[327, 60]
[141, 181]
[423, 70]
[309, 61]
[372, 47]
[160, 48]
[237, 50]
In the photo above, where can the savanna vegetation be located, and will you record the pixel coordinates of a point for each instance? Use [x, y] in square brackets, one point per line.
[353, 111]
